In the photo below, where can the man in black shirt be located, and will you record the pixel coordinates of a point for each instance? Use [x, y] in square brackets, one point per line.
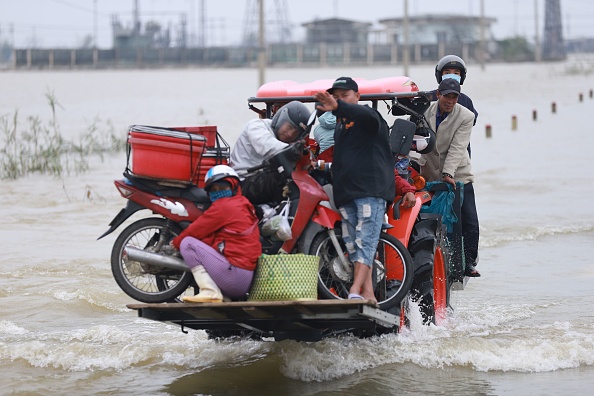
[362, 175]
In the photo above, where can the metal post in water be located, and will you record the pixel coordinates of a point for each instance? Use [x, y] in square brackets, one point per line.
[514, 123]
[553, 107]
[534, 115]
[488, 130]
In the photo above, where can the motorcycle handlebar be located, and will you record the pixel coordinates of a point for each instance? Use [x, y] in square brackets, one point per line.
[258, 167]
[283, 157]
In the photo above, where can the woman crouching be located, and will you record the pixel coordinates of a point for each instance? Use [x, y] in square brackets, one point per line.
[222, 246]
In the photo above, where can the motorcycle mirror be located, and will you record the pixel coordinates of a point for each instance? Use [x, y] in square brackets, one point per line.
[401, 136]
[312, 118]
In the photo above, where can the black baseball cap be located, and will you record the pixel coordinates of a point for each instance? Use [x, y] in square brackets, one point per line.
[344, 83]
[449, 85]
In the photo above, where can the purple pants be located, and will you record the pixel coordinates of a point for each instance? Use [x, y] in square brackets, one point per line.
[234, 282]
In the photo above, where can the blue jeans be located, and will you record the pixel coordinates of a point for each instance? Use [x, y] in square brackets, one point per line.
[362, 220]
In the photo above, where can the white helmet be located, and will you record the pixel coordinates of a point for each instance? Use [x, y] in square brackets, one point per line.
[450, 62]
[219, 172]
[423, 140]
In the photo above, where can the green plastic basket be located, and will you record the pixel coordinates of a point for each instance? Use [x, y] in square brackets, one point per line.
[285, 277]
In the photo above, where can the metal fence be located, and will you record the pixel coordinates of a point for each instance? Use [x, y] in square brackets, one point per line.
[297, 55]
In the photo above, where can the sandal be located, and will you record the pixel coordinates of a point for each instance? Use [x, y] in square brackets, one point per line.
[471, 272]
[354, 296]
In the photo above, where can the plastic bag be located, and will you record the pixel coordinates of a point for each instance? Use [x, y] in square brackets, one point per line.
[284, 228]
[279, 225]
[267, 212]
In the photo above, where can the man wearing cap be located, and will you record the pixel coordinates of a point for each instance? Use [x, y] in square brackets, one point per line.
[450, 161]
[362, 176]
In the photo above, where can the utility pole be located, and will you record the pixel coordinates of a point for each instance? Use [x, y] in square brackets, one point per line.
[136, 20]
[261, 44]
[95, 24]
[482, 42]
[536, 34]
[405, 57]
[202, 41]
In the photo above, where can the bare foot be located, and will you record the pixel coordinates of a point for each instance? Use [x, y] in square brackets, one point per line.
[369, 296]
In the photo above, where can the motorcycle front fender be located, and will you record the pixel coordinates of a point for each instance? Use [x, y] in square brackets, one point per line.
[326, 217]
[403, 220]
[123, 215]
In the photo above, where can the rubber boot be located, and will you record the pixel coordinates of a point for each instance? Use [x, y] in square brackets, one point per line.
[209, 291]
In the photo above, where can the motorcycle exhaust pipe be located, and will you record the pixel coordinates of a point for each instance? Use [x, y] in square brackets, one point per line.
[146, 257]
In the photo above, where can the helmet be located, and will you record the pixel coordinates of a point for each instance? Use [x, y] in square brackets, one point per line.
[450, 62]
[423, 140]
[220, 172]
[296, 113]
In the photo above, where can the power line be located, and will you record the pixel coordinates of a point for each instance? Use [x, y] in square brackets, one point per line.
[77, 7]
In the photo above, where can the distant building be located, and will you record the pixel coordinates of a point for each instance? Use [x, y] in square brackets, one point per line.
[436, 29]
[153, 35]
[580, 45]
[336, 31]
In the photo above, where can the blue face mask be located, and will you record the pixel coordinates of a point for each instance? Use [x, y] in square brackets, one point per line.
[454, 76]
[214, 195]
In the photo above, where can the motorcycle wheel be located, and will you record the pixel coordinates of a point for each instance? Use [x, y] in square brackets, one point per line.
[392, 270]
[441, 285]
[147, 283]
[433, 303]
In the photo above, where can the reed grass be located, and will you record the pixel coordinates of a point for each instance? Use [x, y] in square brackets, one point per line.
[40, 147]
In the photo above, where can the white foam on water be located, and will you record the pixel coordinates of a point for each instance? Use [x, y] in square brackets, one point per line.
[492, 237]
[493, 338]
[108, 347]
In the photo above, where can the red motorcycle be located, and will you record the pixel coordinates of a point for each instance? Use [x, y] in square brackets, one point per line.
[436, 253]
[144, 267]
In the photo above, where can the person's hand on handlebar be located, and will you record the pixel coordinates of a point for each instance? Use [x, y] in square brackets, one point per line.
[409, 200]
[447, 178]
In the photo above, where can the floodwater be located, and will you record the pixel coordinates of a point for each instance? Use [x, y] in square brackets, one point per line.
[526, 326]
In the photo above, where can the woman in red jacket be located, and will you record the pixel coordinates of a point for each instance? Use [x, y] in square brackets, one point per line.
[223, 245]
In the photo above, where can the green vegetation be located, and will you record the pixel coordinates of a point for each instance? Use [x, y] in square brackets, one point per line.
[41, 148]
[516, 49]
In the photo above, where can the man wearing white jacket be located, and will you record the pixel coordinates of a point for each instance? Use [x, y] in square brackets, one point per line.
[449, 161]
[259, 140]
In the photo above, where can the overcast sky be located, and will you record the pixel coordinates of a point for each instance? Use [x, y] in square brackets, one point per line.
[66, 23]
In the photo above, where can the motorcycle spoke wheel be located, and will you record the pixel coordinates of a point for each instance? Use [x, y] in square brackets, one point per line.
[392, 270]
[143, 282]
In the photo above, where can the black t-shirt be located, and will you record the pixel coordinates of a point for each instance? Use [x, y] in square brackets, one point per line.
[363, 164]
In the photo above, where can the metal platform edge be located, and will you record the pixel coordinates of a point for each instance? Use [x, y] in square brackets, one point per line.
[268, 317]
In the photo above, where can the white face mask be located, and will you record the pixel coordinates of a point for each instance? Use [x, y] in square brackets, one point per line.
[454, 76]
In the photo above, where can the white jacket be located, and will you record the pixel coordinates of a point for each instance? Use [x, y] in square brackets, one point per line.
[256, 143]
[450, 154]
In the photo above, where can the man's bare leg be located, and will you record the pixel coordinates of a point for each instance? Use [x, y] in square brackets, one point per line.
[362, 282]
